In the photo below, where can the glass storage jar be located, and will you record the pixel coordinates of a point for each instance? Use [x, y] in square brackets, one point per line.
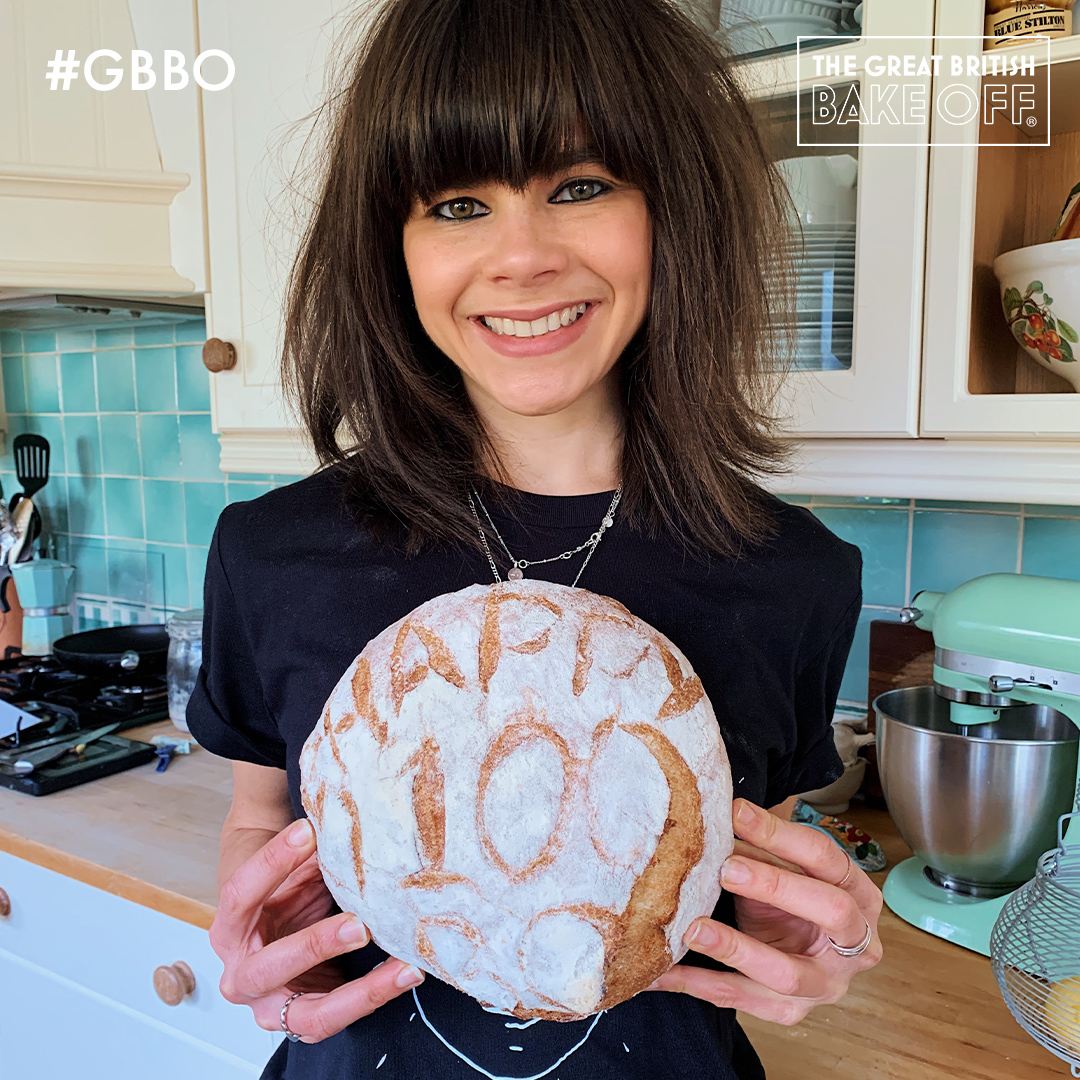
[182, 666]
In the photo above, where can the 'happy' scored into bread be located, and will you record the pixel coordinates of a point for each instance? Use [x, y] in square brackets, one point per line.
[521, 788]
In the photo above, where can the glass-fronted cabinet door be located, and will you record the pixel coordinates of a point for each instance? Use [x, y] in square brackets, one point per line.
[855, 159]
[1001, 357]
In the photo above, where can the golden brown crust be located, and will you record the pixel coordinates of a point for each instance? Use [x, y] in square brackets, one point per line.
[641, 952]
[429, 804]
[355, 837]
[363, 702]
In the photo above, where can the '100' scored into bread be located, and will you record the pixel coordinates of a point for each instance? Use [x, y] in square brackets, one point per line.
[521, 788]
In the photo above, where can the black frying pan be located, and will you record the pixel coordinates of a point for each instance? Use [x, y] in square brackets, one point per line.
[115, 650]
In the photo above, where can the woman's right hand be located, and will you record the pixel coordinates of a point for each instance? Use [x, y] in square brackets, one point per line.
[272, 932]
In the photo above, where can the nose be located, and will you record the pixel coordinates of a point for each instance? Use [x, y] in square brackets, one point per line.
[524, 245]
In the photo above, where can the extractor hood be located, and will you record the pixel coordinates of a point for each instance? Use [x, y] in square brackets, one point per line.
[59, 311]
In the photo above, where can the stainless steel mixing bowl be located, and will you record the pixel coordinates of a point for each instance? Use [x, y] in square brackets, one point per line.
[979, 804]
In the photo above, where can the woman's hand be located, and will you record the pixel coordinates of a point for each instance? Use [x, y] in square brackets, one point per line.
[786, 908]
[272, 932]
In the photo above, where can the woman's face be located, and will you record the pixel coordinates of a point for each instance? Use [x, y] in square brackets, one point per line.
[535, 295]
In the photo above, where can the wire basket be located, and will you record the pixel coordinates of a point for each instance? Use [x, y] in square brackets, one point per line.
[1035, 951]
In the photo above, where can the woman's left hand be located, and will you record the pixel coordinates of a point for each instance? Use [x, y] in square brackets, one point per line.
[784, 964]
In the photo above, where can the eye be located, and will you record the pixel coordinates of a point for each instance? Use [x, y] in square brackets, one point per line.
[457, 209]
[582, 190]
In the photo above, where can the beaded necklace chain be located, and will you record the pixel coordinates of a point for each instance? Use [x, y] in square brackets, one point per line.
[518, 566]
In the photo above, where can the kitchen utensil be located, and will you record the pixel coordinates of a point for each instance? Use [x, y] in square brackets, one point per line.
[1035, 951]
[979, 804]
[44, 587]
[115, 650]
[31, 452]
[1000, 641]
[182, 665]
[34, 759]
[1040, 296]
[21, 515]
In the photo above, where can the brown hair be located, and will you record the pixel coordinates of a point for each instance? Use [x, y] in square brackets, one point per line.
[443, 93]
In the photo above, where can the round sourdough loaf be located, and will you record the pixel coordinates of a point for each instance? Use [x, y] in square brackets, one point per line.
[521, 788]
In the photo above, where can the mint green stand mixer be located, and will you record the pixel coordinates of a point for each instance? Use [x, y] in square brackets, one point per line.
[1003, 643]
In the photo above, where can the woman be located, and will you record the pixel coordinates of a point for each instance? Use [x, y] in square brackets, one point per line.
[533, 297]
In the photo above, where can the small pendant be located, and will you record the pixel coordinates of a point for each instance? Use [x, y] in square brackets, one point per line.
[514, 573]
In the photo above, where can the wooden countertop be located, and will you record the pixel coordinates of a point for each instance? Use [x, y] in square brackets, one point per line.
[148, 836]
[929, 1011]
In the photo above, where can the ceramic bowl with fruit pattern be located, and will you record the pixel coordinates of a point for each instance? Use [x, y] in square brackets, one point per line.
[1040, 296]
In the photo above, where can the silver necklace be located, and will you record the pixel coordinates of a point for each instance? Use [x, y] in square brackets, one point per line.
[518, 566]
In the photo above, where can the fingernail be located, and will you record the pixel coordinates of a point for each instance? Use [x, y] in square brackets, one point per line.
[700, 933]
[409, 976]
[653, 985]
[301, 833]
[744, 812]
[353, 931]
[735, 871]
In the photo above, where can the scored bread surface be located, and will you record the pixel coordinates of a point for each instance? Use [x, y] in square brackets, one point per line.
[522, 789]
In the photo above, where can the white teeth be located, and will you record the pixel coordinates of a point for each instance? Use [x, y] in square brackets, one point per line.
[536, 328]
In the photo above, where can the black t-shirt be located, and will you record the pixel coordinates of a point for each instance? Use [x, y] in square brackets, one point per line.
[294, 589]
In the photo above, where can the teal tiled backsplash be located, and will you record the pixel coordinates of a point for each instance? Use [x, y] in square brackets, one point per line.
[134, 487]
[914, 544]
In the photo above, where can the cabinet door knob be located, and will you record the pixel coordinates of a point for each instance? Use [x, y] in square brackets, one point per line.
[218, 355]
[5, 904]
[173, 982]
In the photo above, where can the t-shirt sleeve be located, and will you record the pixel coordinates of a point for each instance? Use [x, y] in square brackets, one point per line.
[816, 763]
[227, 712]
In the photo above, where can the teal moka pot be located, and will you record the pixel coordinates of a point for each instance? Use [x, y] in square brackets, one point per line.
[977, 769]
[45, 588]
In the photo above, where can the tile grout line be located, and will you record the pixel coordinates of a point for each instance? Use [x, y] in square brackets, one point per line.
[907, 557]
[1020, 541]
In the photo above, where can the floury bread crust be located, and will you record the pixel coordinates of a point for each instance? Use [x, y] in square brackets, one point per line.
[521, 788]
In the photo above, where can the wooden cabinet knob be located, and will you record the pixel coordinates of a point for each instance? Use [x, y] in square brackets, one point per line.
[218, 355]
[173, 982]
[5, 904]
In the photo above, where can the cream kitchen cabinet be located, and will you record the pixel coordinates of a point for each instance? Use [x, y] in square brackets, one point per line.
[252, 131]
[100, 190]
[977, 382]
[858, 331]
[77, 989]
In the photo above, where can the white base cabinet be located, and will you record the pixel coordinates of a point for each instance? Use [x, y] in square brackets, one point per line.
[77, 995]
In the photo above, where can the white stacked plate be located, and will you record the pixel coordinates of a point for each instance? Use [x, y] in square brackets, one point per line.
[820, 326]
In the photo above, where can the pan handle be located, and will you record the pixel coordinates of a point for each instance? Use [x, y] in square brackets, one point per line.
[5, 577]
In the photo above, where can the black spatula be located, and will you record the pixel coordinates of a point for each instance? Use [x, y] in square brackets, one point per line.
[31, 452]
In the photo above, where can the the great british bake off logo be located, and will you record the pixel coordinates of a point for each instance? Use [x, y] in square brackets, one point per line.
[936, 91]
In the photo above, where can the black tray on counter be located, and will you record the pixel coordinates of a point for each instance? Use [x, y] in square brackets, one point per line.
[110, 754]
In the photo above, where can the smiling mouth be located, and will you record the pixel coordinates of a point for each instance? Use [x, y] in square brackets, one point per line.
[555, 320]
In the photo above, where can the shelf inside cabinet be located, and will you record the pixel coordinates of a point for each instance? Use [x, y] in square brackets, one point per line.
[1020, 190]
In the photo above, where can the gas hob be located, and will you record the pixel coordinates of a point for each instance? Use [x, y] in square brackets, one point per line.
[40, 699]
